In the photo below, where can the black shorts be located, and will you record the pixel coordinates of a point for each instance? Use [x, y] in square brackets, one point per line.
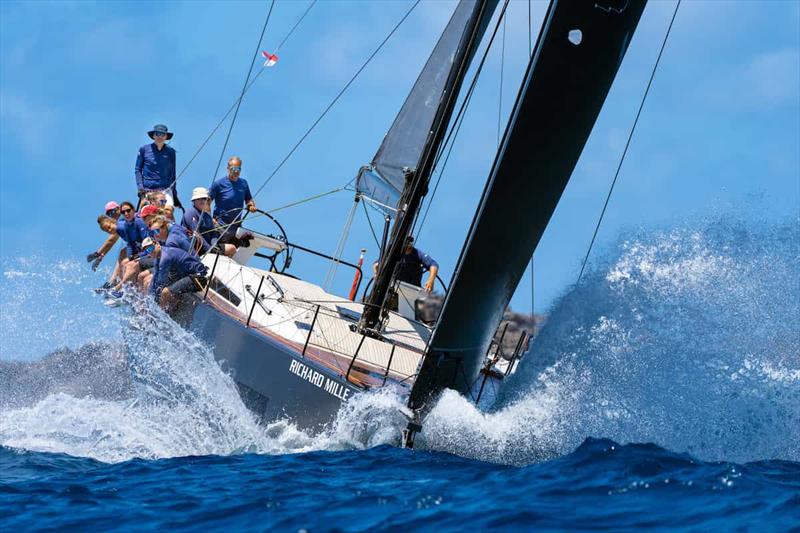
[186, 285]
[147, 262]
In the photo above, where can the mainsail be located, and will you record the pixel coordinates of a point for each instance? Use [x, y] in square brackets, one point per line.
[383, 181]
[578, 53]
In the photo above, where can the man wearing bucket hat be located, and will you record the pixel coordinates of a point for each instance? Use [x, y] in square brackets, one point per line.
[155, 166]
[198, 221]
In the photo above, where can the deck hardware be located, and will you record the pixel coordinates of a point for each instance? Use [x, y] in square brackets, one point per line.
[311, 330]
[355, 356]
[256, 300]
[389, 365]
[211, 277]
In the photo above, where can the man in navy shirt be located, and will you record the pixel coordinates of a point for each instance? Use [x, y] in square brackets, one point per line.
[412, 264]
[230, 195]
[176, 273]
[198, 222]
[155, 166]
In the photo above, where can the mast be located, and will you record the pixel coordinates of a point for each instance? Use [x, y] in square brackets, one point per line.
[578, 52]
[456, 46]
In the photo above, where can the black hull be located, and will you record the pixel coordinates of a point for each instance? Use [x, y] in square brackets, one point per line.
[274, 379]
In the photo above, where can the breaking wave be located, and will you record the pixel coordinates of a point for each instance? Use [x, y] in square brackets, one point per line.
[686, 338]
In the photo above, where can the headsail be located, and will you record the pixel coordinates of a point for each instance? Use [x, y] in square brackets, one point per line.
[579, 51]
[383, 180]
[441, 105]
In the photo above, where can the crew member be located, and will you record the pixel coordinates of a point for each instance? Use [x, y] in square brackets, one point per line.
[133, 231]
[198, 221]
[155, 166]
[230, 195]
[412, 264]
[176, 273]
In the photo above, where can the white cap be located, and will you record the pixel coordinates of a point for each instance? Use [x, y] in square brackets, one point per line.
[199, 192]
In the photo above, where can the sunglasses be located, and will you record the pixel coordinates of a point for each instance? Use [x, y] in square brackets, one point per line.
[159, 134]
[235, 169]
[147, 250]
[154, 232]
[111, 212]
[127, 210]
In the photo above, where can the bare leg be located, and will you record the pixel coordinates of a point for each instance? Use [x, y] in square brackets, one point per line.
[131, 271]
[230, 250]
[146, 281]
[167, 301]
[115, 275]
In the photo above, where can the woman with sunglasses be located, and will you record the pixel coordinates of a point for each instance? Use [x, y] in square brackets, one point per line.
[133, 231]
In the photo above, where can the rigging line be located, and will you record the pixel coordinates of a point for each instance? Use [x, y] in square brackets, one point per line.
[235, 103]
[371, 228]
[627, 144]
[502, 65]
[308, 199]
[336, 99]
[296, 24]
[530, 45]
[455, 128]
[244, 88]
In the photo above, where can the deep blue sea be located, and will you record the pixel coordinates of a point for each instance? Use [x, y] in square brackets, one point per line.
[662, 394]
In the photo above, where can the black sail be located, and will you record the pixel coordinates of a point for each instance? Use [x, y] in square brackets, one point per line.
[578, 53]
[416, 181]
[383, 181]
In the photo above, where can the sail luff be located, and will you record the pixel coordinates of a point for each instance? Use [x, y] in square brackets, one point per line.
[416, 179]
[567, 80]
[405, 141]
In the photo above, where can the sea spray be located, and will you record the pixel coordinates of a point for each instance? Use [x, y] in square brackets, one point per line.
[688, 338]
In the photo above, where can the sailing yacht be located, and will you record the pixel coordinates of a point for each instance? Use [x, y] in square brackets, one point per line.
[299, 352]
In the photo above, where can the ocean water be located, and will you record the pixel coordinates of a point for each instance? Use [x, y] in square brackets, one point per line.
[662, 393]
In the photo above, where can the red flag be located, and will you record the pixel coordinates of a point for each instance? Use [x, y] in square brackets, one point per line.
[270, 59]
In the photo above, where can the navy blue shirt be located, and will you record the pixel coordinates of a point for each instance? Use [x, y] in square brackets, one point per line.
[229, 198]
[201, 222]
[177, 238]
[413, 264]
[173, 265]
[133, 233]
[155, 169]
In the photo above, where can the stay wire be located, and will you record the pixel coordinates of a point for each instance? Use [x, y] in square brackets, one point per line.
[236, 102]
[500, 94]
[627, 144]
[336, 99]
[371, 228]
[296, 24]
[244, 89]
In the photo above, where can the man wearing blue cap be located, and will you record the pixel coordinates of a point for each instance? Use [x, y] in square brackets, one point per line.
[155, 166]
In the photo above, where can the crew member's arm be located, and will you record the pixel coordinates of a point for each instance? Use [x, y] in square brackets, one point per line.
[432, 267]
[108, 245]
[160, 277]
[138, 170]
[173, 179]
[248, 200]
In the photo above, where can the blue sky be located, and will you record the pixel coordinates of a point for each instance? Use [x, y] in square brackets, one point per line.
[80, 83]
